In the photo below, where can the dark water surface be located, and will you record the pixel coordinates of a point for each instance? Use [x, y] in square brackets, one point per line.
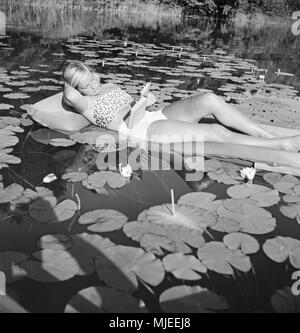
[179, 57]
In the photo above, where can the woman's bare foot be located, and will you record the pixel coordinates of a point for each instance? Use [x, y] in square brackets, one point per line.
[291, 143]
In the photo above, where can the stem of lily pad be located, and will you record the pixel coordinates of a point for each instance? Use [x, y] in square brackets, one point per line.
[173, 205]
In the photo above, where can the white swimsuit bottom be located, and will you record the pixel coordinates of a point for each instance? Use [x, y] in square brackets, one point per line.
[140, 130]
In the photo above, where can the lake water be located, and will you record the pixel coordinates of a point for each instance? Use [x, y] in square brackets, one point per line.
[243, 250]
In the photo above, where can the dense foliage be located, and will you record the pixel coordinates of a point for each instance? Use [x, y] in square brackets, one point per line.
[222, 8]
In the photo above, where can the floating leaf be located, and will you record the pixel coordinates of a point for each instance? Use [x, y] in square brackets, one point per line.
[264, 196]
[216, 257]
[184, 267]
[99, 179]
[16, 96]
[55, 242]
[8, 141]
[180, 238]
[48, 211]
[197, 199]
[272, 177]
[122, 266]
[156, 244]
[103, 220]
[283, 301]
[290, 211]
[4, 106]
[285, 187]
[10, 265]
[103, 300]
[246, 243]
[51, 266]
[252, 219]
[280, 248]
[185, 216]
[186, 299]
[10, 193]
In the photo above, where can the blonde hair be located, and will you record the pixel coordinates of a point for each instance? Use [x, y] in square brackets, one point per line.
[74, 71]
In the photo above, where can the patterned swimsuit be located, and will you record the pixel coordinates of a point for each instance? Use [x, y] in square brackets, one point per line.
[109, 104]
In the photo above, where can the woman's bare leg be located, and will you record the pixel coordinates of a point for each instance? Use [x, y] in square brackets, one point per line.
[177, 131]
[194, 108]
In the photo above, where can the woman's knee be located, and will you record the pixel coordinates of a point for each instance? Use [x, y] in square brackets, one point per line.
[208, 100]
[219, 132]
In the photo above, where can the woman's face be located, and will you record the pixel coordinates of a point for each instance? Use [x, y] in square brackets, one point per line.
[89, 84]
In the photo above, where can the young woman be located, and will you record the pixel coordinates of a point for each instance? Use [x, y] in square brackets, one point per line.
[108, 106]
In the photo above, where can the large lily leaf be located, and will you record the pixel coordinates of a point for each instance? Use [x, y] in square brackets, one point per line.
[280, 249]
[237, 240]
[216, 257]
[184, 267]
[121, 267]
[103, 220]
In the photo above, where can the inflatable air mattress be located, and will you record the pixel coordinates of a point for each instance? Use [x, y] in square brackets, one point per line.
[48, 111]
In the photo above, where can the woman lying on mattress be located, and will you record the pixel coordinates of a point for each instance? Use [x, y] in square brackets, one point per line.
[108, 106]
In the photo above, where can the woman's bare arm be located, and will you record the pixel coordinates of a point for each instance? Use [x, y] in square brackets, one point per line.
[73, 98]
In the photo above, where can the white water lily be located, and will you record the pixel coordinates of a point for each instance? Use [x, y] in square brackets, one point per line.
[262, 78]
[125, 171]
[49, 178]
[248, 173]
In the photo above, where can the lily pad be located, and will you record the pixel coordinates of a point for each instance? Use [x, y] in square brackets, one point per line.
[46, 210]
[180, 239]
[55, 242]
[184, 267]
[103, 300]
[121, 267]
[8, 141]
[279, 249]
[156, 244]
[227, 173]
[186, 299]
[272, 177]
[264, 196]
[216, 257]
[291, 211]
[16, 96]
[99, 179]
[51, 266]
[283, 301]
[10, 193]
[185, 216]
[197, 199]
[246, 243]
[103, 220]
[4, 106]
[252, 219]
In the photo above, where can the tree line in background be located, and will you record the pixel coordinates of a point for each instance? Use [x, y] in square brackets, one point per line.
[224, 8]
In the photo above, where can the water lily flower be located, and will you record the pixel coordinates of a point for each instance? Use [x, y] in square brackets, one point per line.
[49, 178]
[262, 78]
[125, 171]
[248, 173]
